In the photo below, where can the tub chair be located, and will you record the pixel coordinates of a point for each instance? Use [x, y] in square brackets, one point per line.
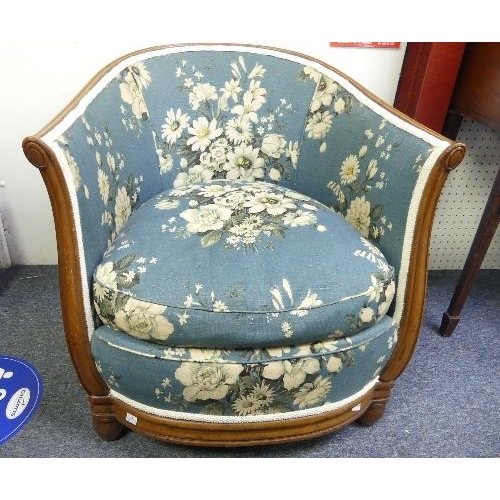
[242, 235]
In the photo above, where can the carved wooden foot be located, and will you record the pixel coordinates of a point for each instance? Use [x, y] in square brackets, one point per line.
[377, 406]
[105, 422]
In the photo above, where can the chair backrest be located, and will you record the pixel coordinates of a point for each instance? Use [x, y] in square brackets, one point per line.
[175, 116]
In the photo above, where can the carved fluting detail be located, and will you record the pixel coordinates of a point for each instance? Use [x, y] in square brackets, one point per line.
[376, 409]
[36, 152]
[105, 423]
[383, 390]
[455, 156]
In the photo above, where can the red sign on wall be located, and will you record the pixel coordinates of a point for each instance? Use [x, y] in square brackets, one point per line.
[376, 45]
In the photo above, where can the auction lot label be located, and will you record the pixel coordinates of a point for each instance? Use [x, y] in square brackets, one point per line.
[371, 45]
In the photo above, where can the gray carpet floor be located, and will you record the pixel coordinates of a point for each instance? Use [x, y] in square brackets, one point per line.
[445, 404]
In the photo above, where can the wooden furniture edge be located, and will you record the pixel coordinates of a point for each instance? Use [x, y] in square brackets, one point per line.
[416, 282]
[106, 69]
[41, 155]
[70, 279]
[424, 89]
[237, 434]
[485, 233]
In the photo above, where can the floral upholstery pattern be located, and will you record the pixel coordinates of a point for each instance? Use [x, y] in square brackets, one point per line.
[242, 382]
[205, 183]
[227, 117]
[234, 264]
[238, 115]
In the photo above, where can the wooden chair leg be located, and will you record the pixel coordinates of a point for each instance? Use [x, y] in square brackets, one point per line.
[484, 235]
[377, 407]
[105, 422]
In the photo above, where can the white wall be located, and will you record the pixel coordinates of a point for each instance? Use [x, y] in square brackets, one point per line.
[49, 50]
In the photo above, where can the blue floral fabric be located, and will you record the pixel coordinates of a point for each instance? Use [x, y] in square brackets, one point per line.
[242, 382]
[205, 182]
[234, 264]
[181, 119]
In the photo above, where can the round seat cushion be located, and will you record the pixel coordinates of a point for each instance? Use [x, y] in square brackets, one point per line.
[266, 383]
[235, 264]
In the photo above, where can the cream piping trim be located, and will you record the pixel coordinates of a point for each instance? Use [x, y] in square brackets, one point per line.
[197, 417]
[411, 222]
[68, 177]
[439, 145]
[108, 77]
[231, 313]
[350, 345]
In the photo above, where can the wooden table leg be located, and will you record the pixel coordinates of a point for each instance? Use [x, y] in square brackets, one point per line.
[482, 239]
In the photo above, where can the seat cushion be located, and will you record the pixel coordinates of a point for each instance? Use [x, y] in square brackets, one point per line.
[273, 383]
[235, 264]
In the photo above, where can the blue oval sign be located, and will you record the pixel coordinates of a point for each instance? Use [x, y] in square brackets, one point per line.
[20, 393]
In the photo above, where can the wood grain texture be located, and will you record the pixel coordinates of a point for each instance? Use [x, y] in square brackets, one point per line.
[416, 285]
[427, 80]
[246, 434]
[70, 279]
[110, 415]
[378, 403]
[477, 90]
[104, 419]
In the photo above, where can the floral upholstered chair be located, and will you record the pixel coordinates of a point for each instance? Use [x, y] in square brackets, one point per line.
[243, 237]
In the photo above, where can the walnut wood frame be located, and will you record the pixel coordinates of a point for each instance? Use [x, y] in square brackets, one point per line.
[110, 415]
